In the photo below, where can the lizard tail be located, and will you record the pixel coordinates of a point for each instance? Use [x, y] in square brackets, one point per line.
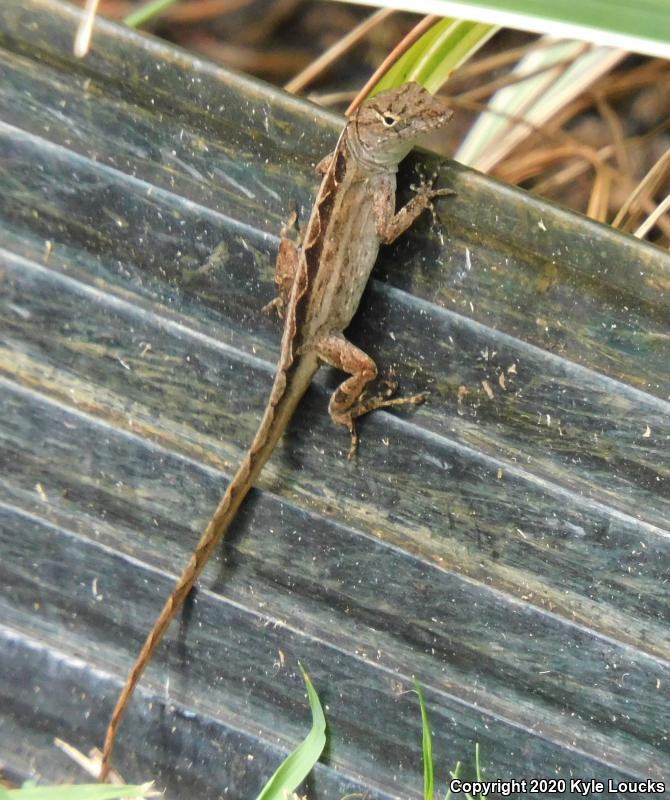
[288, 388]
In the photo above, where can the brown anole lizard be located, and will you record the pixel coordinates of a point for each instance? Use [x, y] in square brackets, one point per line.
[320, 283]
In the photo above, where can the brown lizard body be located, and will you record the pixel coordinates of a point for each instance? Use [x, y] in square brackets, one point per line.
[320, 285]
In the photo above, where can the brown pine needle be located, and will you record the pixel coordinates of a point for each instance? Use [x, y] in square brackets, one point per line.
[528, 164]
[600, 194]
[487, 89]
[653, 218]
[616, 134]
[355, 35]
[571, 172]
[647, 186]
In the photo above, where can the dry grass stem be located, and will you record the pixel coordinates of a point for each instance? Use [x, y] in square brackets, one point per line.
[653, 218]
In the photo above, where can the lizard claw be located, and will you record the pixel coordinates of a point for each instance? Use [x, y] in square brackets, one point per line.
[389, 385]
[274, 305]
[425, 186]
[425, 189]
[354, 442]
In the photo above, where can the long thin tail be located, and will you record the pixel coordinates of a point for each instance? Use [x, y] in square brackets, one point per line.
[286, 393]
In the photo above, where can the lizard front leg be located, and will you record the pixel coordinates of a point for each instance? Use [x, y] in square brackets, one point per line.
[349, 400]
[391, 224]
[285, 267]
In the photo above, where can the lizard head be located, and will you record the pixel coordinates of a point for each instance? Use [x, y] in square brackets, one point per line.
[387, 126]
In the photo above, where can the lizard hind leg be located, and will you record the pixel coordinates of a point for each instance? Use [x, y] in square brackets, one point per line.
[286, 266]
[350, 400]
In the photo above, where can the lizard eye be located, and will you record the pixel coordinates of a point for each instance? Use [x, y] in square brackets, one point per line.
[387, 118]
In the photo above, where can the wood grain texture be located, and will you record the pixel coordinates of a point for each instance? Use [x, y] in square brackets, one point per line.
[507, 543]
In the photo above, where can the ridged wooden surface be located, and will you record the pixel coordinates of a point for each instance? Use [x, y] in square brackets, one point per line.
[507, 543]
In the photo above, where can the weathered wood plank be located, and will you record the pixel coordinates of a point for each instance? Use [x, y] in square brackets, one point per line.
[497, 521]
[200, 743]
[241, 640]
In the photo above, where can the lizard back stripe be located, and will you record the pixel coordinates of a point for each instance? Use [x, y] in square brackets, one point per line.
[316, 236]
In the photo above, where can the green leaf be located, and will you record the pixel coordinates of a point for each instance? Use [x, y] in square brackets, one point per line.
[295, 768]
[427, 747]
[82, 791]
[518, 110]
[431, 60]
[613, 23]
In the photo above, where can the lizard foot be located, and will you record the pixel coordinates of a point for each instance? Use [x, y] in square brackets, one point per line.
[291, 224]
[425, 189]
[367, 404]
[387, 388]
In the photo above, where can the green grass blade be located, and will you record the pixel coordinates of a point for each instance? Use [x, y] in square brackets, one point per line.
[82, 791]
[427, 747]
[442, 49]
[478, 768]
[451, 50]
[399, 73]
[455, 773]
[295, 768]
[144, 13]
